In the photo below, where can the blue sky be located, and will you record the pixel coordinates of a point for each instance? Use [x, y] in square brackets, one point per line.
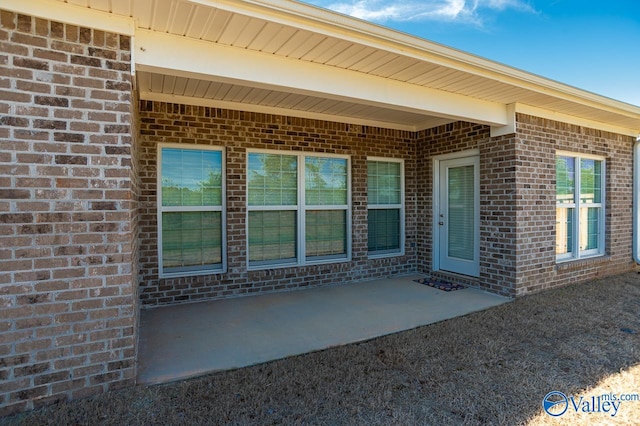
[592, 45]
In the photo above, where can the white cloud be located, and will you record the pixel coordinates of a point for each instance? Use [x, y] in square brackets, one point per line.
[416, 10]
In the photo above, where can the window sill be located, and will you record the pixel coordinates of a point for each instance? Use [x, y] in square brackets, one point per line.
[385, 255]
[571, 264]
[169, 275]
[265, 266]
[326, 261]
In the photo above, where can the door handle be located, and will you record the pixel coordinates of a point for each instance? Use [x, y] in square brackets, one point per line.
[440, 223]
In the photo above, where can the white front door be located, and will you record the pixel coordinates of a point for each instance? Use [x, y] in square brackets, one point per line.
[458, 216]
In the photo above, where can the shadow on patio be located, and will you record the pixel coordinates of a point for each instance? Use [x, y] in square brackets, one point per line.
[183, 341]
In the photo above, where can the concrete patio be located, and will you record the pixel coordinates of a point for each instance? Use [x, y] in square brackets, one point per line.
[183, 341]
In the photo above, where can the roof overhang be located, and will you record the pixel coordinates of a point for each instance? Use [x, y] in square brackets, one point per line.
[290, 58]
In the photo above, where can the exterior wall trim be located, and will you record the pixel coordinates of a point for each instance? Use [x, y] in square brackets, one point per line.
[510, 127]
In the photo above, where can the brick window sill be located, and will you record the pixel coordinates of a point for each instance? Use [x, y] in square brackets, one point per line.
[581, 263]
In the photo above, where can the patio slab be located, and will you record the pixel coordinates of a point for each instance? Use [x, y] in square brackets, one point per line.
[178, 342]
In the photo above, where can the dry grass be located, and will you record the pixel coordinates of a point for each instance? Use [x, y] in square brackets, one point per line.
[491, 367]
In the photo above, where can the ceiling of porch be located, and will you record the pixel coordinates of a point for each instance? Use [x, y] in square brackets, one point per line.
[236, 96]
[300, 33]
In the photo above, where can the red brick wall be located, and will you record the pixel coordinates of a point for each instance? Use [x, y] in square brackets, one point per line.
[537, 142]
[237, 131]
[67, 199]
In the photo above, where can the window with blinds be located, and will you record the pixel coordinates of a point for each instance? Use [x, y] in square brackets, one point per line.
[191, 210]
[298, 208]
[385, 201]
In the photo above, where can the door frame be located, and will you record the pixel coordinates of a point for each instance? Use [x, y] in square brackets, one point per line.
[436, 207]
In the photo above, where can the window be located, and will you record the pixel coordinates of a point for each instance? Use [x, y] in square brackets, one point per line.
[579, 206]
[386, 207]
[190, 210]
[298, 209]
[273, 208]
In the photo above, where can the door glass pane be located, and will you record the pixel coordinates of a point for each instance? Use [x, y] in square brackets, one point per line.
[460, 182]
[564, 230]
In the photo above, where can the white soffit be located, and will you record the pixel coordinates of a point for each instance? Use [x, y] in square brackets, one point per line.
[304, 34]
[175, 89]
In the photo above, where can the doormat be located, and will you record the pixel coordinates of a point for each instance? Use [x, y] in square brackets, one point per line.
[440, 284]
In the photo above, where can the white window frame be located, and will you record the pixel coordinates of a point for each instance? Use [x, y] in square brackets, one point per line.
[163, 209]
[266, 264]
[301, 209]
[576, 253]
[400, 207]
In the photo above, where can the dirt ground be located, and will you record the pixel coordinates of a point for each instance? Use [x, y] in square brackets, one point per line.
[490, 367]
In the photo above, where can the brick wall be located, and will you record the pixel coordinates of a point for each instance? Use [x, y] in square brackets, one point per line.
[518, 204]
[236, 131]
[497, 213]
[67, 199]
[536, 145]
[517, 198]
